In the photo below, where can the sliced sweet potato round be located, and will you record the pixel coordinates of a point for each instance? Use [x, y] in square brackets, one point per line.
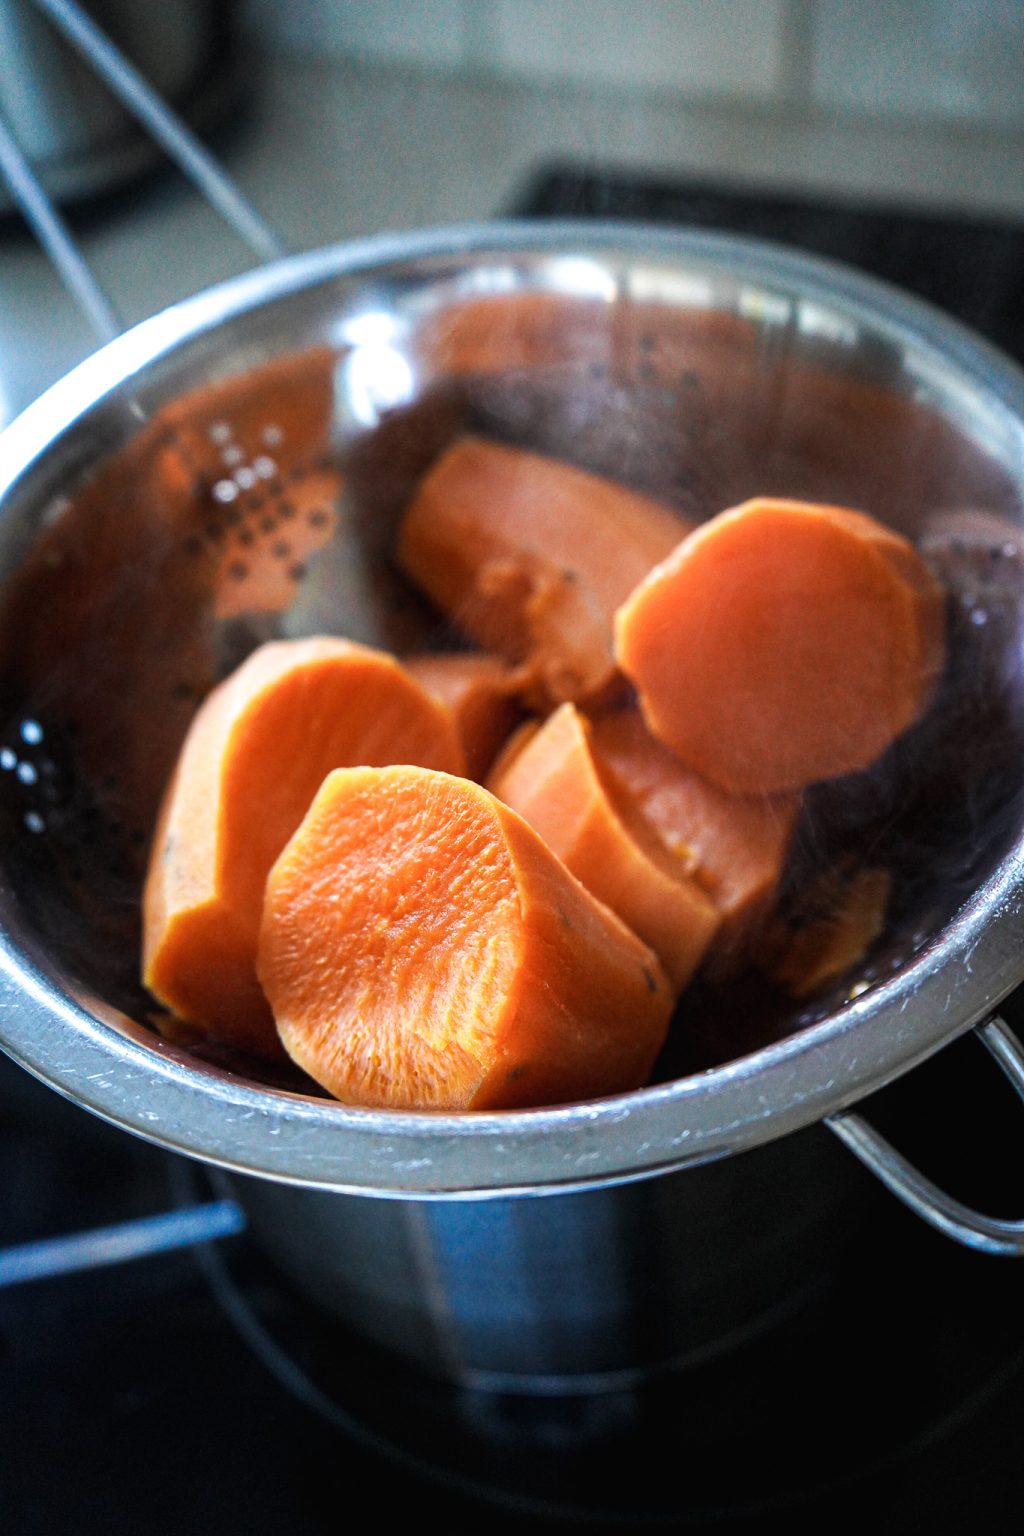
[783, 642]
[557, 782]
[740, 843]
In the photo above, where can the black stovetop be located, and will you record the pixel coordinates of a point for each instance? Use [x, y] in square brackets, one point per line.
[193, 1391]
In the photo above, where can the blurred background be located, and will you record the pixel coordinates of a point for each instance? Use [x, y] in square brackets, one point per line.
[346, 117]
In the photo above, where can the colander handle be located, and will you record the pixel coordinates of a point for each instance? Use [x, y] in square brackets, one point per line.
[989, 1234]
[176, 138]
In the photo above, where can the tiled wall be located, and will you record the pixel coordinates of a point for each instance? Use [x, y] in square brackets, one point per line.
[961, 60]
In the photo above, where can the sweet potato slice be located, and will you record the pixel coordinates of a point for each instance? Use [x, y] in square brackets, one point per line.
[422, 949]
[531, 557]
[512, 746]
[557, 783]
[783, 642]
[840, 918]
[740, 842]
[254, 757]
[481, 692]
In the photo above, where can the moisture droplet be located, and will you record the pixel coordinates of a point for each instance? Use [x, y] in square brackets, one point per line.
[32, 732]
[272, 435]
[220, 432]
[245, 478]
[27, 773]
[265, 467]
[232, 456]
[8, 759]
[34, 822]
[979, 616]
[225, 490]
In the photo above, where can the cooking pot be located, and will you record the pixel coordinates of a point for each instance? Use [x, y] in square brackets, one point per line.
[139, 496]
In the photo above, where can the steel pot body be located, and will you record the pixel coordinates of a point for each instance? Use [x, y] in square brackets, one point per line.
[579, 1292]
[700, 370]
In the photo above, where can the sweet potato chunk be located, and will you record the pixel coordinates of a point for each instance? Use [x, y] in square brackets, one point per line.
[531, 557]
[556, 781]
[783, 642]
[839, 920]
[740, 843]
[423, 949]
[254, 757]
[481, 692]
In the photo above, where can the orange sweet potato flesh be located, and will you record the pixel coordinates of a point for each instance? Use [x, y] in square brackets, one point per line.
[512, 746]
[531, 557]
[422, 949]
[556, 782]
[740, 843]
[783, 642]
[254, 758]
[481, 692]
[842, 917]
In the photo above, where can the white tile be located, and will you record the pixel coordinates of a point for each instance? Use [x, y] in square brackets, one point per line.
[425, 33]
[958, 59]
[731, 47]
[292, 24]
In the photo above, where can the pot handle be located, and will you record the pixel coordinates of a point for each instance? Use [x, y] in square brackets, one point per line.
[990, 1234]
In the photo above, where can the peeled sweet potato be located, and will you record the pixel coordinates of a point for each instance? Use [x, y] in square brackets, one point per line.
[782, 643]
[423, 949]
[531, 557]
[481, 692]
[557, 783]
[837, 922]
[254, 757]
[739, 843]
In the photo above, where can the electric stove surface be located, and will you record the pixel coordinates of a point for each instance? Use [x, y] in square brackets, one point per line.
[192, 1390]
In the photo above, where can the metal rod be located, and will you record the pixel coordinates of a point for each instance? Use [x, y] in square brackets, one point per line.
[54, 237]
[988, 1234]
[166, 127]
[120, 1243]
